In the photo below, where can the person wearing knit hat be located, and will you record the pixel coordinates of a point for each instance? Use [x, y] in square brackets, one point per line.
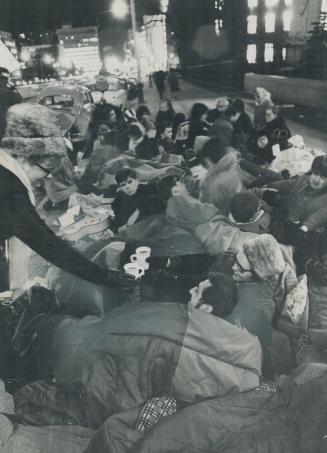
[250, 213]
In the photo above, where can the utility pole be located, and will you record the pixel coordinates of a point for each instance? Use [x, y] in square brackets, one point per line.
[134, 29]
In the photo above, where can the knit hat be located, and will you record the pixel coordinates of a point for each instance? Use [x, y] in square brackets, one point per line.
[33, 131]
[243, 207]
[264, 255]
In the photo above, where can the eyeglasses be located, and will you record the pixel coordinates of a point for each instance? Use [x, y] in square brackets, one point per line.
[47, 171]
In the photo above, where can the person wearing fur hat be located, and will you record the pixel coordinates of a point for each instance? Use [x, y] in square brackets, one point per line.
[32, 148]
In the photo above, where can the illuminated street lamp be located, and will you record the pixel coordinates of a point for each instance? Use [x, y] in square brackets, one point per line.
[119, 9]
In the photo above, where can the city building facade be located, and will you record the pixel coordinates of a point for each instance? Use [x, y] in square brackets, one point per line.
[79, 48]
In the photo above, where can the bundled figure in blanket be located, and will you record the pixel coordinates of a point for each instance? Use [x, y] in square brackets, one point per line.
[140, 351]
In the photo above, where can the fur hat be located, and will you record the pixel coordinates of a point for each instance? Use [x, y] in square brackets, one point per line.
[244, 207]
[33, 131]
[264, 255]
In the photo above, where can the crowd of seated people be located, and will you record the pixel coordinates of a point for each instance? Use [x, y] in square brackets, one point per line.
[187, 189]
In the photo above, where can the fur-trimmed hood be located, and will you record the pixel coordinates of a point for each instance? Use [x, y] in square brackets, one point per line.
[33, 130]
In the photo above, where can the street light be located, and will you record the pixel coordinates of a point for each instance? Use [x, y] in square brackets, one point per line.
[119, 9]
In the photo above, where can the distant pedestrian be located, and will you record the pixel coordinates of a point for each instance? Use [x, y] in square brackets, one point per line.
[160, 82]
[173, 80]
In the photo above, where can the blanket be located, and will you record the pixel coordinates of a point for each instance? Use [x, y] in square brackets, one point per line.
[146, 170]
[289, 420]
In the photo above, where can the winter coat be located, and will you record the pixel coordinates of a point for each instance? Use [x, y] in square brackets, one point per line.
[146, 200]
[305, 204]
[224, 129]
[221, 183]
[259, 113]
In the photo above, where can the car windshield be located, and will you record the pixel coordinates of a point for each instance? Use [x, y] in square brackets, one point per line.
[58, 101]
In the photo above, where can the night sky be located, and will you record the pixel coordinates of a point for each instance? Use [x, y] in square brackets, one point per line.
[45, 15]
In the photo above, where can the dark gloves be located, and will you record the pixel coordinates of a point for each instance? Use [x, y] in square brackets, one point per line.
[121, 279]
[269, 196]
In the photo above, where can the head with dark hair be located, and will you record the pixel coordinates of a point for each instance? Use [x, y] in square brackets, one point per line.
[178, 119]
[238, 105]
[123, 174]
[213, 150]
[135, 132]
[218, 295]
[164, 129]
[244, 207]
[4, 76]
[127, 181]
[197, 111]
[166, 106]
[232, 113]
[318, 177]
[141, 111]
[165, 186]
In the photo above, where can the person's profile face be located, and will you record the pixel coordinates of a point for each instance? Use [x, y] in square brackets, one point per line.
[129, 187]
[222, 105]
[168, 132]
[270, 116]
[112, 117]
[207, 163]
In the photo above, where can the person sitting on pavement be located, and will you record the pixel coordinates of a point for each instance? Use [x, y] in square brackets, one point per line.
[134, 201]
[243, 127]
[263, 101]
[198, 124]
[143, 116]
[164, 137]
[166, 112]
[223, 178]
[276, 128]
[303, 202]
[144, 147]
[222, 104]
[104, 152]
[224, 126]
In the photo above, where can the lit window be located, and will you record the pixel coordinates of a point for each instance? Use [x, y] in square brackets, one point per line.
[284, 53]
[216, 4]
[287, 18]
[324, 6]
[271, 3]
[251, 53]
[252, 24]
[270, 22]
[252, 3]
[269, 52]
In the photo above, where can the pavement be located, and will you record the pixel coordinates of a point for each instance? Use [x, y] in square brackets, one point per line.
[312, 125]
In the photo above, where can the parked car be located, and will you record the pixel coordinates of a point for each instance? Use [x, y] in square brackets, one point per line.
[111, 89]
[75, 102]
